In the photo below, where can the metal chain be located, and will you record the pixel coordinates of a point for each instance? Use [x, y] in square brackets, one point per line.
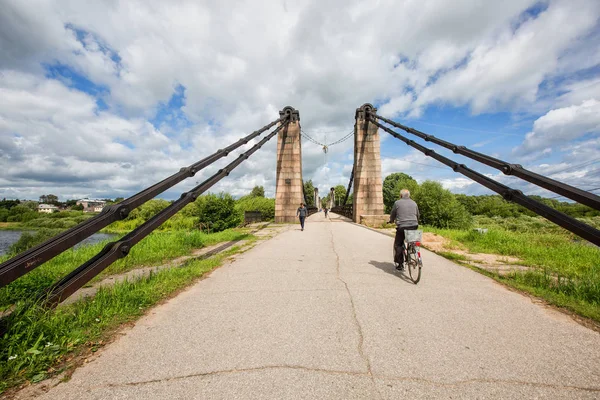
[326, 146]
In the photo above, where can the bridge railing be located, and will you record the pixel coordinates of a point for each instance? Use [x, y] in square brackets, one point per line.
[345, 210]
[27, 261]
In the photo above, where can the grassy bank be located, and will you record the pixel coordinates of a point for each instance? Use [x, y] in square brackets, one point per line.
[155, 249]
[41, 342]
[564, 270]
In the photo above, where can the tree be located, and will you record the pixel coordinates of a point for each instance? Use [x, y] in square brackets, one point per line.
[49, 199]
[309, 191]
[8, 204]
[257, 191]
[393, 184]
[438, 207]
[339, 194]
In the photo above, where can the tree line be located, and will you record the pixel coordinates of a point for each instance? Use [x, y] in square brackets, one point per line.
[216, 212]
[441, 208]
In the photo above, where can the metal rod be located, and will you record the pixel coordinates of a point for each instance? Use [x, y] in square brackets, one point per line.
[34, 257]
[119, 249]
[349, 186]
[571, 192]
[571, 224]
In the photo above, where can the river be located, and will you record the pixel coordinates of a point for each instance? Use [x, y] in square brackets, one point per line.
[9, 237]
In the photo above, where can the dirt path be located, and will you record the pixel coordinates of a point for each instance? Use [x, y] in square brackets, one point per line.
[500, 264]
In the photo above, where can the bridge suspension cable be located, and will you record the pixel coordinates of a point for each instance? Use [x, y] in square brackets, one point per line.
[571, 192]
[119, 249]
[579, 228]
[327, 146]
[34, 257]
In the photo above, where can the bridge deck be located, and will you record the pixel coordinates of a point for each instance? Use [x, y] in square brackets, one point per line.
[322, 314]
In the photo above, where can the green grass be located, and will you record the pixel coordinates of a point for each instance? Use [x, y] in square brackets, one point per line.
[177, 222]
[452, 256]
[565, 270]
[38, 342]
[155, 249]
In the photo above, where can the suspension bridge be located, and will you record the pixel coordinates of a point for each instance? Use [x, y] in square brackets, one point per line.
[321, 313]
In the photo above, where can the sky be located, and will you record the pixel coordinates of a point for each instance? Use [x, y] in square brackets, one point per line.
[103, 99]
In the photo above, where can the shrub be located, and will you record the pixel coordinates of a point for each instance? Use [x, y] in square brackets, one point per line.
[217, 212]
[439, 208]
[148, 209]
[262, 204]
[28, 240]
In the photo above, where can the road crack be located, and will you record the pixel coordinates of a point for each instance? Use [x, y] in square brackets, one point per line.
[361, 339]
[358, 374]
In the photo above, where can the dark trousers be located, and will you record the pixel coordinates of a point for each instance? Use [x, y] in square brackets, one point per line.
[302, 221]
[399, 242]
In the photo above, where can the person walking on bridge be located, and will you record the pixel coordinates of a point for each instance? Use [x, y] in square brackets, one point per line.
[302, 213]
[405, 214]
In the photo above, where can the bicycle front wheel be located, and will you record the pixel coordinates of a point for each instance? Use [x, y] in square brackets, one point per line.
[414, 264]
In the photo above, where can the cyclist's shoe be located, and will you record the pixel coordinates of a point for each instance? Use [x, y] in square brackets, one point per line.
[400, 267]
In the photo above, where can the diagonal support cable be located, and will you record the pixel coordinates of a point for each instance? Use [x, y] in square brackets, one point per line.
[34, 257]
[571, 224]
[571, 192]
[349, 187]
[119, 249]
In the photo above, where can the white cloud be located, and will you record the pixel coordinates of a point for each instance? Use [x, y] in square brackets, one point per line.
[562, 125]
[509, 68]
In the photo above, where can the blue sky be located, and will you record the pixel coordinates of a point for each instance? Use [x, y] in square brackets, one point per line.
[102, 100]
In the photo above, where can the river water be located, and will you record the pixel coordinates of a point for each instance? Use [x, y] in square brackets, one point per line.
[9, 237]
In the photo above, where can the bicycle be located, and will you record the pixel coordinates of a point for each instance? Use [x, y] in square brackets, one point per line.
[412, 254]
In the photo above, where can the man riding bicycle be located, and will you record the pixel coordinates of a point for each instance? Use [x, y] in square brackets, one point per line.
[405, 214]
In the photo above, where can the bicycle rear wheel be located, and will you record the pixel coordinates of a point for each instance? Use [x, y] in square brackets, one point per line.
[414, 264]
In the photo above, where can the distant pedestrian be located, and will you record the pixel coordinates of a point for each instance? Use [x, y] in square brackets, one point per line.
[302, 213]
[326, 211]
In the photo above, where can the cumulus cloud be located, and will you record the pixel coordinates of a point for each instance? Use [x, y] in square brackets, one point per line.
[562, 125]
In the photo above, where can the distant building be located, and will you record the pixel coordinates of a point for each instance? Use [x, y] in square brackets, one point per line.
[91, 205]
[47, 208]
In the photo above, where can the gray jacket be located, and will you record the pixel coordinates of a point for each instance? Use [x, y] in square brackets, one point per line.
[302, 212]
[405, 213]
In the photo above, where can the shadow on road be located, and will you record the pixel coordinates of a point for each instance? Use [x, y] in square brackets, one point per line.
[391, 269]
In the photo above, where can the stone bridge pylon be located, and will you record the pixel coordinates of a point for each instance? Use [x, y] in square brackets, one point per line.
[289, 193]
[368, 184]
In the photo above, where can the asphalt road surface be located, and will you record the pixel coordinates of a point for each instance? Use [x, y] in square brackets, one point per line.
[321, 314]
